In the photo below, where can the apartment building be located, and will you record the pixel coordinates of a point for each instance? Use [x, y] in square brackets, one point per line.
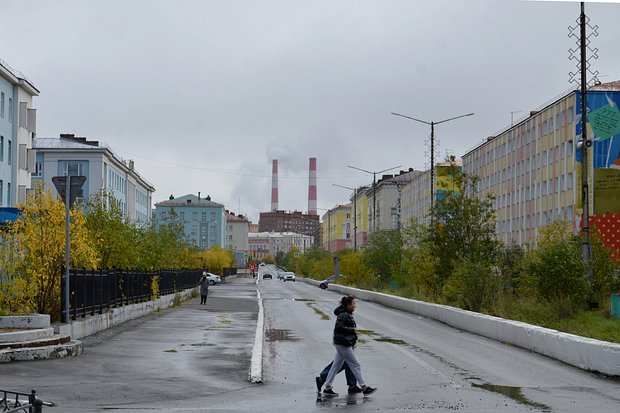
[338, 228]
[271, 243]
[203, 220]
[416, 194]
[237, 236]
[534, 167]
[103, 169]
[293, 221]
[18, 124]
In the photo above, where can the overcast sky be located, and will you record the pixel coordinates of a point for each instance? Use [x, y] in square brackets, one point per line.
[202, 95]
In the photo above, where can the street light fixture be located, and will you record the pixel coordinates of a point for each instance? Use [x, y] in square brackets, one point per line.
[432, 123]
[354, 214]
[374, 198]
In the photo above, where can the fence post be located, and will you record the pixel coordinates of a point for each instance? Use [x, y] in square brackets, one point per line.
[64, 316]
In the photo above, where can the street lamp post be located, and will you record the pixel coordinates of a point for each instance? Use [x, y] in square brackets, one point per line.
[374, 198]
[354, 214]
[432, 123]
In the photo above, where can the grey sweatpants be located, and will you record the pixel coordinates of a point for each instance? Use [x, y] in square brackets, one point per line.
[345, 354]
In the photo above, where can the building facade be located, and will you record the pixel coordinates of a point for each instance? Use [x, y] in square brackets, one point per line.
[18, 124]
[338, 228]
[271, 243]
[416, 194]
[237, 237]
[296, 221]
[533, 168]
[203, 221]
[76, 156]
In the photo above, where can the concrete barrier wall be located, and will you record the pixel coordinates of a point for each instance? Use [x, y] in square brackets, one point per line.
[93, 324]
[585, 353]
[25, 321]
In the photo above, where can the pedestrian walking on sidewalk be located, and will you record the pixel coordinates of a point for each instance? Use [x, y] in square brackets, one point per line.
[204, 288]
[345, 338]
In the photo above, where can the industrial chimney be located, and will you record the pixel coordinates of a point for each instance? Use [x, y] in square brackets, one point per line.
[274, 185]
[312, 208]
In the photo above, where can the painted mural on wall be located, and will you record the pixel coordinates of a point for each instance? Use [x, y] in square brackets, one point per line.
[604, 129]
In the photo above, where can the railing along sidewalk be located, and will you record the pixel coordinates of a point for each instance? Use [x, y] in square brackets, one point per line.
[13, 402]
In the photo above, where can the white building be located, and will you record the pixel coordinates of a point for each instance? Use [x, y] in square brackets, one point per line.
[237, 236]
[270, 243]
[384, 200]
[18, 124]
[75, 156]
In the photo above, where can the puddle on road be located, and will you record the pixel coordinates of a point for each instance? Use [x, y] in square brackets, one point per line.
[318, 311]
[514, 393]
[304, 299]
[170, 351]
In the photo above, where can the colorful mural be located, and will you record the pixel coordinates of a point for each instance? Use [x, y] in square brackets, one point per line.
[603, 129]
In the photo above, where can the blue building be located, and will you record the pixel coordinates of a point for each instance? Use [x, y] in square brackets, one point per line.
[18, 122]
[204, 221]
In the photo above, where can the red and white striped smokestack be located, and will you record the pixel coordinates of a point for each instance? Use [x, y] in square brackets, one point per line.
[312, 208]
[274, 185]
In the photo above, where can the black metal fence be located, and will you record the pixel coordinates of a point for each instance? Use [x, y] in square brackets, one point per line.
[96, 291]
[13, 402]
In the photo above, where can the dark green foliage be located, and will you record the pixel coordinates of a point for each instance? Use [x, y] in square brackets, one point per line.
[384, 255]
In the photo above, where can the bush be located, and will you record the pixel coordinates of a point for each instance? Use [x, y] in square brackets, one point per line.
[473, 285]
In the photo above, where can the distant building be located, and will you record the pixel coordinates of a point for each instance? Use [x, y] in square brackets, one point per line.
[204, 221]
[296, 221]
[271, 243]
[18, 126]
[103, 169]
[416, 194]
[338, 228]
[237, 237]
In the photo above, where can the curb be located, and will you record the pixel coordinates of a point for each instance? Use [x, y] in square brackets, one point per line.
[256, 364]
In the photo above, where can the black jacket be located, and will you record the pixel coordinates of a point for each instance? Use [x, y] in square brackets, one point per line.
[344, 331]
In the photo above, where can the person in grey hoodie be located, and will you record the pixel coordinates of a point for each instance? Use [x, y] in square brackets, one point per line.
[204, 288]
[345, 338]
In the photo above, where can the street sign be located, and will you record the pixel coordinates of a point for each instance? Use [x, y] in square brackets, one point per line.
[75, 186]
[297, 254]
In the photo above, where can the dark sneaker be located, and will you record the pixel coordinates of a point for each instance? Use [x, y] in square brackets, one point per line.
[319, 383]
[354, 389]
[368, 390]
[329, 392]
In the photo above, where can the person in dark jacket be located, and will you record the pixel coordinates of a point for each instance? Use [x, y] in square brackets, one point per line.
[204, 288]
[351, 381]
[345, 338]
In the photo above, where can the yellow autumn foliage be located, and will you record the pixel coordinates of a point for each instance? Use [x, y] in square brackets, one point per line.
[33, 252]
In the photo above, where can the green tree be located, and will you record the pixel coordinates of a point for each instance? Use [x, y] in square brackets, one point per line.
[383, 255]
[110, 233]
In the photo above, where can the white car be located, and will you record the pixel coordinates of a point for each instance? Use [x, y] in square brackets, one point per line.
[288, 276]
[213, 279]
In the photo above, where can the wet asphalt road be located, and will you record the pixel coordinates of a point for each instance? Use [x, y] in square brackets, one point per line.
[196, 359]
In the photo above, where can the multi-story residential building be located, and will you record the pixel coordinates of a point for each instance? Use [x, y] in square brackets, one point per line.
[271, 243]
[237, 237]
[338, 228]
[296, 221]
[416, 194]
[104, 170]
[204, 221]
[533, 168]
[18, 124]
[360, 217]
[384, 199]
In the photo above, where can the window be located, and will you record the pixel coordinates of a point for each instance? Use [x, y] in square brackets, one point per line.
[11, 110]
[38, 168]
[182, 215]
[2, 104]
[1, 191]
[212, 216]
[204, 216]
[10, 154]
[1, 148]
[194, 216]
[8, 193]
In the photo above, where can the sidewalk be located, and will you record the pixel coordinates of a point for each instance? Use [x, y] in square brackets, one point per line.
[161, 359]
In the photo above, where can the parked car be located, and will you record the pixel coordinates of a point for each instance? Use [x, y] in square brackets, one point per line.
[267, 275]
[213, 279]
[323, 284]
[288, 276]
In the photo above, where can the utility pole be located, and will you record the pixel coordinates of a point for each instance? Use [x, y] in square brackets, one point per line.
[432, 123]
